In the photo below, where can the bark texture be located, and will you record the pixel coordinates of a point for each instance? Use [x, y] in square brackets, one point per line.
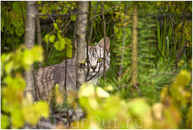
[39, 35]
[134, 49]
[123, 41]
[82, 7]
[30, 40]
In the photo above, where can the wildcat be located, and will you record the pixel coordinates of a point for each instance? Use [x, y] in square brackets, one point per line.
[47, 77]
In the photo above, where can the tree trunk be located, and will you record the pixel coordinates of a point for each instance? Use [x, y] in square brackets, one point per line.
[30, 40]
[82, 8]
[134, 49]
[123, 40]
[39, 35]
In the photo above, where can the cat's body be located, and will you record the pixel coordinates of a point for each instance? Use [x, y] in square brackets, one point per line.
[46, 78]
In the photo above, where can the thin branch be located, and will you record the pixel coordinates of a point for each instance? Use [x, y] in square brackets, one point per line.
[159, 51]
[13, 43]
[66, 26]
[47, 13]
[182, 29]
[57, 13]
[72, 4]
[104, 33]
[103, 12]
[172, 28]
[182, 50]
[64, 15]
[179, 50]
[50, 52]
[92, 23]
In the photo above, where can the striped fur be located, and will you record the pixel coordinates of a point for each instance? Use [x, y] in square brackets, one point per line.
[46, 78]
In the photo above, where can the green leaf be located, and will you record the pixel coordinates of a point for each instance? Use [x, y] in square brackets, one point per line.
[59, 36]
[4, 121]
[183, 78]
[178, 11]
[9, 67]
[172, 9]
[56, 26]
[60, 44]
[7, 21]
[16, 8]
[190, 7]
[94, 24]
[69, 51]
[43, 106]
[17, 21]
[27, 59]
[73, 17]
[18, 83]
[116, 30]
[9, 40]
[46, 37]
[19, 30]
[32, 113]
[59, 21]
[189, 37]
[102, 93]
[52, 38]
[17, 118]
[2, 24]
[37, 53]
[12, 31]
[65, 10]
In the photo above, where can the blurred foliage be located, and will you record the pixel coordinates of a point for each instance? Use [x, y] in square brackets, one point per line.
[16, 107]
[118, 104]
[106, 111]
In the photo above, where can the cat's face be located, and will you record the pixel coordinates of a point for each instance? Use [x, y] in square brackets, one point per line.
[96, 58]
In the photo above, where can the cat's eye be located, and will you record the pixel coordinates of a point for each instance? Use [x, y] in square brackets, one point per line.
[100, 60]
[86, 60]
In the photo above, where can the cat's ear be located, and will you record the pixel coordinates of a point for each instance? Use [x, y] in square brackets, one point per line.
[101, 43]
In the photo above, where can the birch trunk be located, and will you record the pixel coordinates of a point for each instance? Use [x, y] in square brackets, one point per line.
[39, 35]
[82, 8]
[30, 40]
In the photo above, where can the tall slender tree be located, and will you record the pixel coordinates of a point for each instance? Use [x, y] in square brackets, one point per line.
[82, 9]
[30, 40]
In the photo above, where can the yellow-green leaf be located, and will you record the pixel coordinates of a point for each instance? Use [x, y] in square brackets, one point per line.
[4, 121]
[183, 78]
[32, 113]
[73, 17]
[60, 44]
[41, 105]
[69, 51]
[9, 67]
[47, 37]
[17, 118]
[37, 53]
[27, 59]
[52, 38]
[102, 93]
[56, 26]
[59, 36]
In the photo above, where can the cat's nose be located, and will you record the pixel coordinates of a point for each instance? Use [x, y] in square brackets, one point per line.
[93, 68]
